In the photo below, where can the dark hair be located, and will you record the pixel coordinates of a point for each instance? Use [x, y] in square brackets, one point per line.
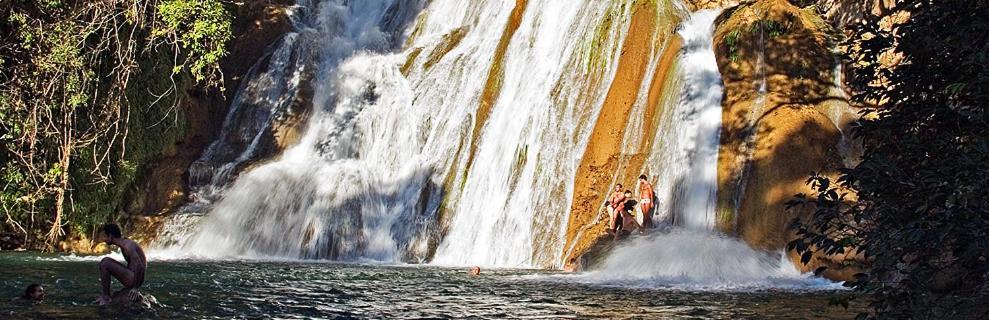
[30, 289]
[643, 177]
[111, 229]
[619, 185]
[628, 191]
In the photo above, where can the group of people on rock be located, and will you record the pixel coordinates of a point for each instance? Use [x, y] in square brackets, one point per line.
[621, 208]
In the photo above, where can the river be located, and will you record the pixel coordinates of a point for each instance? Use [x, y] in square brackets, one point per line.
[196, 289]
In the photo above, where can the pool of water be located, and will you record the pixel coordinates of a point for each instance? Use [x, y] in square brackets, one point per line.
[293, 289]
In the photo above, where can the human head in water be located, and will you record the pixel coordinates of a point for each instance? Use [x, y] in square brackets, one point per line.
[111, 231]
[642, 177]
[34, 292]
[618, 187]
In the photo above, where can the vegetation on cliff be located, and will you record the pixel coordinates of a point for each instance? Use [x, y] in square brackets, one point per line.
[88, 95]
[921, 214]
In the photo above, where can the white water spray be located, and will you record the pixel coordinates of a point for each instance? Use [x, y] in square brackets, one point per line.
[698, 260]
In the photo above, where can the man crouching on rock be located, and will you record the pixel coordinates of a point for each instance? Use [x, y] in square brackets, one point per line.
[131, 275]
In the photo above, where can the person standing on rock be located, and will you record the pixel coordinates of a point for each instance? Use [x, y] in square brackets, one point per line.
[646, 196]
[615, 204]
[131, 275]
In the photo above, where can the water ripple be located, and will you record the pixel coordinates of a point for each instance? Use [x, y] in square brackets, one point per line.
[240, 289]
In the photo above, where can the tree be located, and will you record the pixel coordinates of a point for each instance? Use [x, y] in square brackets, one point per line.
[920, 213]
[65, 107]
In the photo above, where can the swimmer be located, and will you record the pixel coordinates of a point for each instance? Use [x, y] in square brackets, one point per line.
[34, 292]
[475, 271]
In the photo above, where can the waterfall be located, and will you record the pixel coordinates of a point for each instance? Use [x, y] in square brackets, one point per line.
[520, 183]
[399, 160]
[687, 161]
[332, 195]
[690, 254]
[382, 168]
[262, 95]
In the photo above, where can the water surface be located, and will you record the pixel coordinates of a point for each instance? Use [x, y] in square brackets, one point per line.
[254, 289]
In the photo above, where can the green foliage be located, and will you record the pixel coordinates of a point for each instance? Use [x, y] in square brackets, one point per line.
[731, 42]
[771, 27]
[755, 30]
[921, 211]
[596, 52]
[88, 98]
[201, 28]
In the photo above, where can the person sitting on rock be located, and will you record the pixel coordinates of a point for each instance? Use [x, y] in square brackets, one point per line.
[627, 218]
[131, 275]
[615, 203]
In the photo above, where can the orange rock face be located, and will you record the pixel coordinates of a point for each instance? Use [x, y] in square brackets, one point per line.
[604, 163]
[777, 67]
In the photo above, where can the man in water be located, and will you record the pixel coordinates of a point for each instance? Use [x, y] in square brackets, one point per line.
[34, 292]
[131, 275]
[646, 194]
[615, 204]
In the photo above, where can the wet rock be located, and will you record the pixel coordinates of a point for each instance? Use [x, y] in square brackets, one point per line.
[782, 117]
[710, 4]
[142, 300]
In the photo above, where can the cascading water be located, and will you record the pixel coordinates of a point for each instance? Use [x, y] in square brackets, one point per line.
[271, 85]
[687, 161]
[381, 170]
[332, 196]
[367, 178]
[337, 202]
[520, 183]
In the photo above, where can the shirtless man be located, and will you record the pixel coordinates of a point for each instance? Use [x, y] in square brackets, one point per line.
[131, 275]
[615, 204]
[646, 194]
